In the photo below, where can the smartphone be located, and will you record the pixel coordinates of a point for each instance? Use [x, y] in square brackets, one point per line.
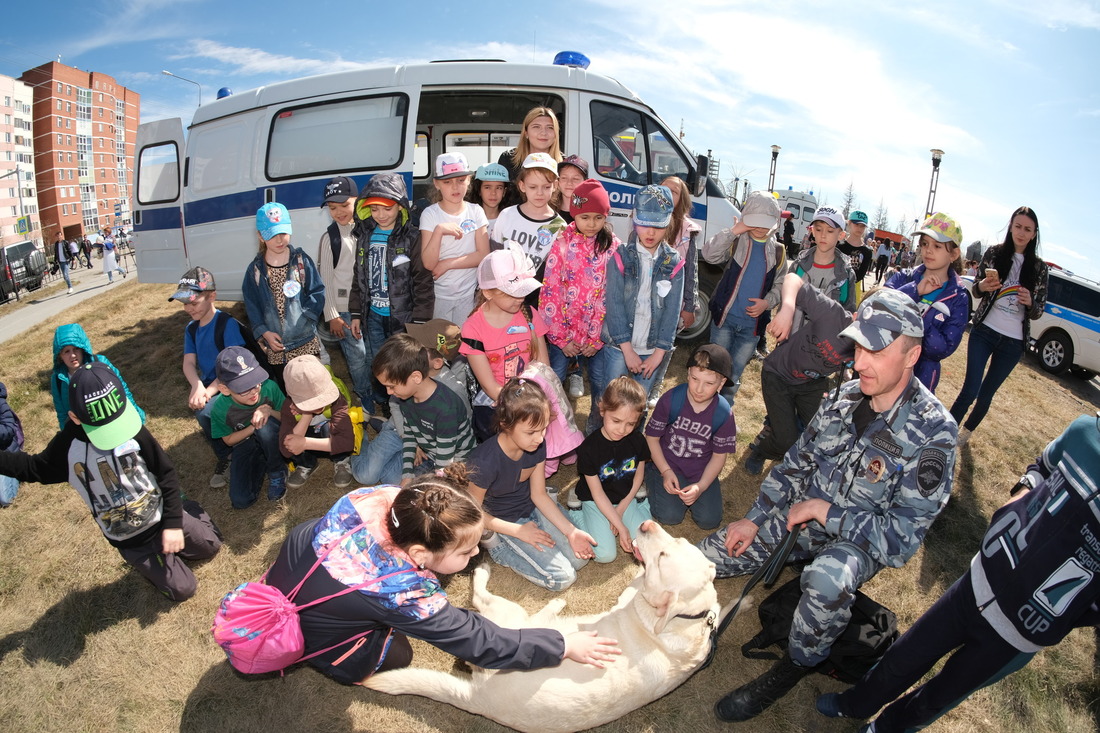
[991, 272]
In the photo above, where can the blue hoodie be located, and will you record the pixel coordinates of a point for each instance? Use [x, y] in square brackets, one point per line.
[72, 334]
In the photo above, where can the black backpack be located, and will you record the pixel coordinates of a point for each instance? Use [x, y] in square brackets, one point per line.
[870, 633]
[221, 320]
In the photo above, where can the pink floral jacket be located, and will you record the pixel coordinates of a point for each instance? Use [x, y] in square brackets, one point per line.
[572, 297]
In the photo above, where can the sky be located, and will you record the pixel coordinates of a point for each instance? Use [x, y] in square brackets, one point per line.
[855, 93]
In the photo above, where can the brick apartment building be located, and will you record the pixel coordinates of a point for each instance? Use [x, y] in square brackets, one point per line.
[17, 185]
[85, 127]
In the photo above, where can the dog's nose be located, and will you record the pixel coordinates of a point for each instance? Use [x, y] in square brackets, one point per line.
[646, 525]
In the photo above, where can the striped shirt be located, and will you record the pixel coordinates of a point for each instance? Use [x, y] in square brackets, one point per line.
[439, 426]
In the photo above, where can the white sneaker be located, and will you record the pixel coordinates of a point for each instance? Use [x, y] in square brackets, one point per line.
[571, 499]
[964, 438]
[298, 478]
[70, 291]
[574, 385]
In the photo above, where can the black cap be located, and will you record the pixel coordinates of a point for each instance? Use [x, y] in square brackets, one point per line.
[339, 190]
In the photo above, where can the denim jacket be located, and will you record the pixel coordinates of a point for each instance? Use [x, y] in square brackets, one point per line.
[302, 310]
[622, 294]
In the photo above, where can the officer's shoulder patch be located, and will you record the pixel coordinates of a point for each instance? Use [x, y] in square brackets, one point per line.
[931, 468]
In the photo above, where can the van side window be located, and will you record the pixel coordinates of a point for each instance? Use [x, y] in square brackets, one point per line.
[1074, 296]
[333, 137]
[158, 174]
[632, 146]
[480, 147]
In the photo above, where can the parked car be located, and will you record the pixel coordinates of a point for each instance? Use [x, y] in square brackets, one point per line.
[22, 266]
[1067, 335]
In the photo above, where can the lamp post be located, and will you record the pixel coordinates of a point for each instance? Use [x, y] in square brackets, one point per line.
[937, 156]
[189, 81]
[771, 173]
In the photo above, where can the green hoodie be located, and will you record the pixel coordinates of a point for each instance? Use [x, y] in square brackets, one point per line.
[72, 334]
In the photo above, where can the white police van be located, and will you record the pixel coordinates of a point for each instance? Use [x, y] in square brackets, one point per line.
[195, 200]
[802, 206]
[1067, 335]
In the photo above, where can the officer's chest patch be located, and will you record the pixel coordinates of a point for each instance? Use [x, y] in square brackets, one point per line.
[886, 444]
[931, 467]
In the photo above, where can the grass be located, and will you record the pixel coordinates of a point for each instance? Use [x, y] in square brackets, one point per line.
[86, 645]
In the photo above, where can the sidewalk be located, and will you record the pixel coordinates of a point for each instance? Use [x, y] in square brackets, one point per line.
[38, 307]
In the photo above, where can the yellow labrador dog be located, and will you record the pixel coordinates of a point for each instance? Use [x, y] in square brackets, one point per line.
[663, 622]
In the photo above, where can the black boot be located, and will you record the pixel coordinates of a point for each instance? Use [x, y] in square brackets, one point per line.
[753, 698]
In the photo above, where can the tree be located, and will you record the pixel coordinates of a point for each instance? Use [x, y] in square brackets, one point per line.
[882, 216]
[849, 199]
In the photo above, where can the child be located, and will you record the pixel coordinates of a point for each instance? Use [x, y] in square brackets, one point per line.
[507, 478]
[437, 425]
[491, 185]
[71, 350]
[572, 298]
[126, 480]
[313, 421]
[534, 223]
[825, 267]
[209, 331]
[283, 293]
[405, 537]
[645, 288]
[11, 441]
[453, 238]
[854, 246]
[245, 416]
[379, 461]
[504, 334]
[796, 374]
[749, 287]
[336, 263]
[391, 286]
[611, 463]
[572, 172]
[939, 293]
[690, 434]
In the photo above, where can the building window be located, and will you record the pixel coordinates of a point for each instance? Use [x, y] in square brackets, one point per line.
[60, 157]
[60, 139]
[59, 88]
[59, 122]
[59, 105]
[68, 90]
[68, 108]
[68, 139]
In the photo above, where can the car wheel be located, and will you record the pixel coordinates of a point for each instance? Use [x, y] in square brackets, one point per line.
[1055, 352]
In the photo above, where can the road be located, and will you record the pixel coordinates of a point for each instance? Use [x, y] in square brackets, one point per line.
[38, 306]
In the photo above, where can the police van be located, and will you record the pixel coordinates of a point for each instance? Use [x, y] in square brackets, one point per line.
[1067, 335]
[802, 206]
[195, 199]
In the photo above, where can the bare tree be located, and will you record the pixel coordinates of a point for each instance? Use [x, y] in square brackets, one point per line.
[849, 199]
[882, 215]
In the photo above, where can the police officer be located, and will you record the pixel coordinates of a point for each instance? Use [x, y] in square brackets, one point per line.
[864, 483]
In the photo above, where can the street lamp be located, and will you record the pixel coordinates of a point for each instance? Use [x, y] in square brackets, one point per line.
[771, 174]
[189, 81]
[937, 156]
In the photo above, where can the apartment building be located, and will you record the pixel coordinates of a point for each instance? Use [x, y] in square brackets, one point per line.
[85, 127]
[18, 200]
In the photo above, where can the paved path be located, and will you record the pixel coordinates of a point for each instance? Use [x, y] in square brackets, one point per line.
[36, 307]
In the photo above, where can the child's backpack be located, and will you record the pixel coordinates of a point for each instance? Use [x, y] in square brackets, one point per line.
[871, 631]
[678, 395]
[221, 320]
[258, 627]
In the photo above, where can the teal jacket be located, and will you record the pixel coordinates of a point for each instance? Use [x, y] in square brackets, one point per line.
[72, 334]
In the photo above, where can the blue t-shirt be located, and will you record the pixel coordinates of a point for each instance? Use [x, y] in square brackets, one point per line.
[752, 283]
[205, 348]
[379, 282]
[506, 497]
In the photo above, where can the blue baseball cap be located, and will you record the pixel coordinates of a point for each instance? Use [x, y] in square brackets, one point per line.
[272, 219]
[653, 207]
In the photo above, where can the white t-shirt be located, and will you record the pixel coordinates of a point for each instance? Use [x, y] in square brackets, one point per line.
[1006, 315]
[455, 283]
[534, 235]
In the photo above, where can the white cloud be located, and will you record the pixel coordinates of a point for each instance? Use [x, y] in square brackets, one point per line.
[257, 62]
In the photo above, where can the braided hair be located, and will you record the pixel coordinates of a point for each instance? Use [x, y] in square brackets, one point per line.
[435, 510]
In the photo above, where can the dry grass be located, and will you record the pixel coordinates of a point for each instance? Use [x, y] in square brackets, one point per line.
[85, 645]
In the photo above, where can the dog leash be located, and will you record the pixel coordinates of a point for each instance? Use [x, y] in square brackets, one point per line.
[767, 573]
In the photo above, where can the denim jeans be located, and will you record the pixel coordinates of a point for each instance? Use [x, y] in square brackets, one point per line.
[254, 458]
[739, 338]
[670, 509]
[612, 364]
[379, 461]
[9, 487]
[65, 273]
[1001, 353]
[554, 568]
[590, 519]
[221, 450]
[559, 362]
[376, 329]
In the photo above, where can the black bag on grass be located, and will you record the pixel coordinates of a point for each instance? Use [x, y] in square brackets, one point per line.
[870, 633]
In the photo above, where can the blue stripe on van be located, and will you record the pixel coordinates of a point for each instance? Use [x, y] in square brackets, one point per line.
[302, 194]
[1077, 318]
[622, 197]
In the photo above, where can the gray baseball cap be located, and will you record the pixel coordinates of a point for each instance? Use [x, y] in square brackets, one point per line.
[883, 316]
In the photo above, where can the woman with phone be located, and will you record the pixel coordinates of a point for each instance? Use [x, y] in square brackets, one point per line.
[1013, 293]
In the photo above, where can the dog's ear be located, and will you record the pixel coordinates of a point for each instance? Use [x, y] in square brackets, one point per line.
[666, 607]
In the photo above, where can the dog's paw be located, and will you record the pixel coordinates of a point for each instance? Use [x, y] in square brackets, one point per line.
[553, 608]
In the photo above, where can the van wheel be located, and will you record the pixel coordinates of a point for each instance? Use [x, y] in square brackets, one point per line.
[700, 329]
[1055, 352]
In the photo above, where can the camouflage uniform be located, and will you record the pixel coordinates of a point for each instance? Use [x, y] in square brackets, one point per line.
[886, 488]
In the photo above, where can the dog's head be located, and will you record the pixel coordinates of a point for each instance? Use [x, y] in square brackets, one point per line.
[678, 578]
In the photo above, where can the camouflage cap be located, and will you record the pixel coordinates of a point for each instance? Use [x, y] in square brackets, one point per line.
[883, 316]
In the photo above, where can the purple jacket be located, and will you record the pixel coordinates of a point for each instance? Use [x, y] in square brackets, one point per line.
[944, 321]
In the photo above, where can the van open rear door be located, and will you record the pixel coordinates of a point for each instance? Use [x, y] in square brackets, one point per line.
[159, 239]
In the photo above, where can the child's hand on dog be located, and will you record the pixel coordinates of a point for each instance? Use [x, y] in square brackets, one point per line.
[584, 647]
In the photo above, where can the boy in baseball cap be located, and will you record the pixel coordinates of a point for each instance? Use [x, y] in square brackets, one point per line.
[822, 265]
[854, 246]
[126, 480]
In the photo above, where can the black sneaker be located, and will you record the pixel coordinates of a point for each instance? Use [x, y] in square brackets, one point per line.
[220, 478]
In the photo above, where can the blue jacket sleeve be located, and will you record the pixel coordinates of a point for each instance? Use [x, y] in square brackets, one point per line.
[616, 321]
[253, 302]
[313, 300]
